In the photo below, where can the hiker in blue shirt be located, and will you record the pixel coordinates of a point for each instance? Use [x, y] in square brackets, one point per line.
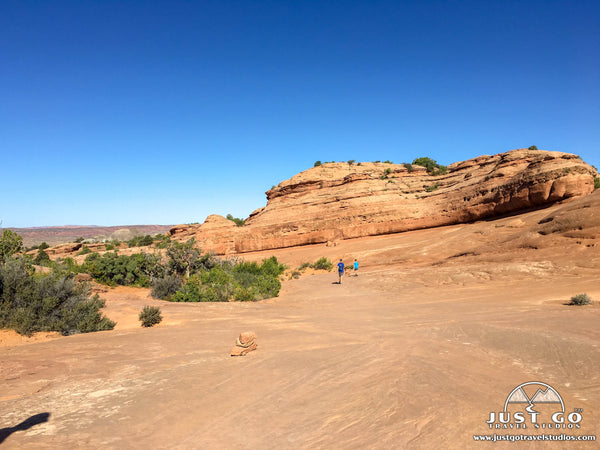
[355, 268]
[340, 270]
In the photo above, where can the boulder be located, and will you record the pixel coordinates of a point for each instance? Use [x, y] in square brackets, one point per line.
[245, 343]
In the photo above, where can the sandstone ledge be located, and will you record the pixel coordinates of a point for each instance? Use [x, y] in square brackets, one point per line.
[341, 201]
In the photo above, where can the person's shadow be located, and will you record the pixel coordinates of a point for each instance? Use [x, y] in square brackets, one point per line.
[25, 425]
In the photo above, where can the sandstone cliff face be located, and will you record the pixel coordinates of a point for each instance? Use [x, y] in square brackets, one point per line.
[341, 201]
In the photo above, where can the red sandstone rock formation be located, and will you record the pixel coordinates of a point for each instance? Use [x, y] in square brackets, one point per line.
[245, 343]
[339, 201]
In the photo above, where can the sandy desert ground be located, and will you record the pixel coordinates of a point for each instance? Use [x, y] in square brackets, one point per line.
[415, 352]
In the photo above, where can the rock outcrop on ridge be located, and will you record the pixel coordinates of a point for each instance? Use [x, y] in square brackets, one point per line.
[337, 201]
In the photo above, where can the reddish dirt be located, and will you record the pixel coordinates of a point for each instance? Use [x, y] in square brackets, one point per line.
[437, 329]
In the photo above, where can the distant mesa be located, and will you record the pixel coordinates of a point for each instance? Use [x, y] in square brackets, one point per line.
[69, 233]
[336, 201]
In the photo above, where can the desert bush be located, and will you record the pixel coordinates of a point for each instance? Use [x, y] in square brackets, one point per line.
[323, 264]
[32, 302]
[191, 291]
[43, 246]
[232, 280]
[112, 268]
[295, 274]
[165, 287]
[428, 163]
[351, 161]
[183, 257]
[432, 166]
[79, 240]
[533, 147]
[304, 266]
[68, 265]
[162, 240]
[239, 222]
[580, 299]
[42, 258]
[597, 183]
[244, 295]
[85, 250]
[408, 167]
[432, 188]
[150, 316]
[441, 170]
[317, 164]
[558, 224]
[10, 243]
[140, 241]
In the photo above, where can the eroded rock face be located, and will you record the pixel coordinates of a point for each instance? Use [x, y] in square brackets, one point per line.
[340, 201]
[216, 234]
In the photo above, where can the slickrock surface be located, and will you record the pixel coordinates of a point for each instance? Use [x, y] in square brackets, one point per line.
[339, 201]
[415, 352]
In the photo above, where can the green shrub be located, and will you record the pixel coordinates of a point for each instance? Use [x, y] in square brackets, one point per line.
[305, 265]
[432, 188]
[150, 316]
[165, 287]
[191, 291]
[183, 257]
[140, 241]
[533, 147]
[79, 240]
[433, 168]
[323, 264]
[580, 299]
[387, 161]
[295, 274]
[351, 161]
[32, 302]
[10, 243]
[239, 222]
[112, 268]
[597, 183]
[230, 280]
[244, 295]
[84, 250]
[409, 167]
[43, 246]
[42, 258]
[68, 265]
[317, 164]
[162, 240]
[109, 247]
[441, 170]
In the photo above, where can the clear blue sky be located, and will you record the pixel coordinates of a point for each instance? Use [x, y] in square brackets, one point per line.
[135, 112]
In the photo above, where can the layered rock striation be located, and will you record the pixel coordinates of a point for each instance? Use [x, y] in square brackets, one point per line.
[337, 201]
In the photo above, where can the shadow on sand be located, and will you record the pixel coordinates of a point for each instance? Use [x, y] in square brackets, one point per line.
[25, 425]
